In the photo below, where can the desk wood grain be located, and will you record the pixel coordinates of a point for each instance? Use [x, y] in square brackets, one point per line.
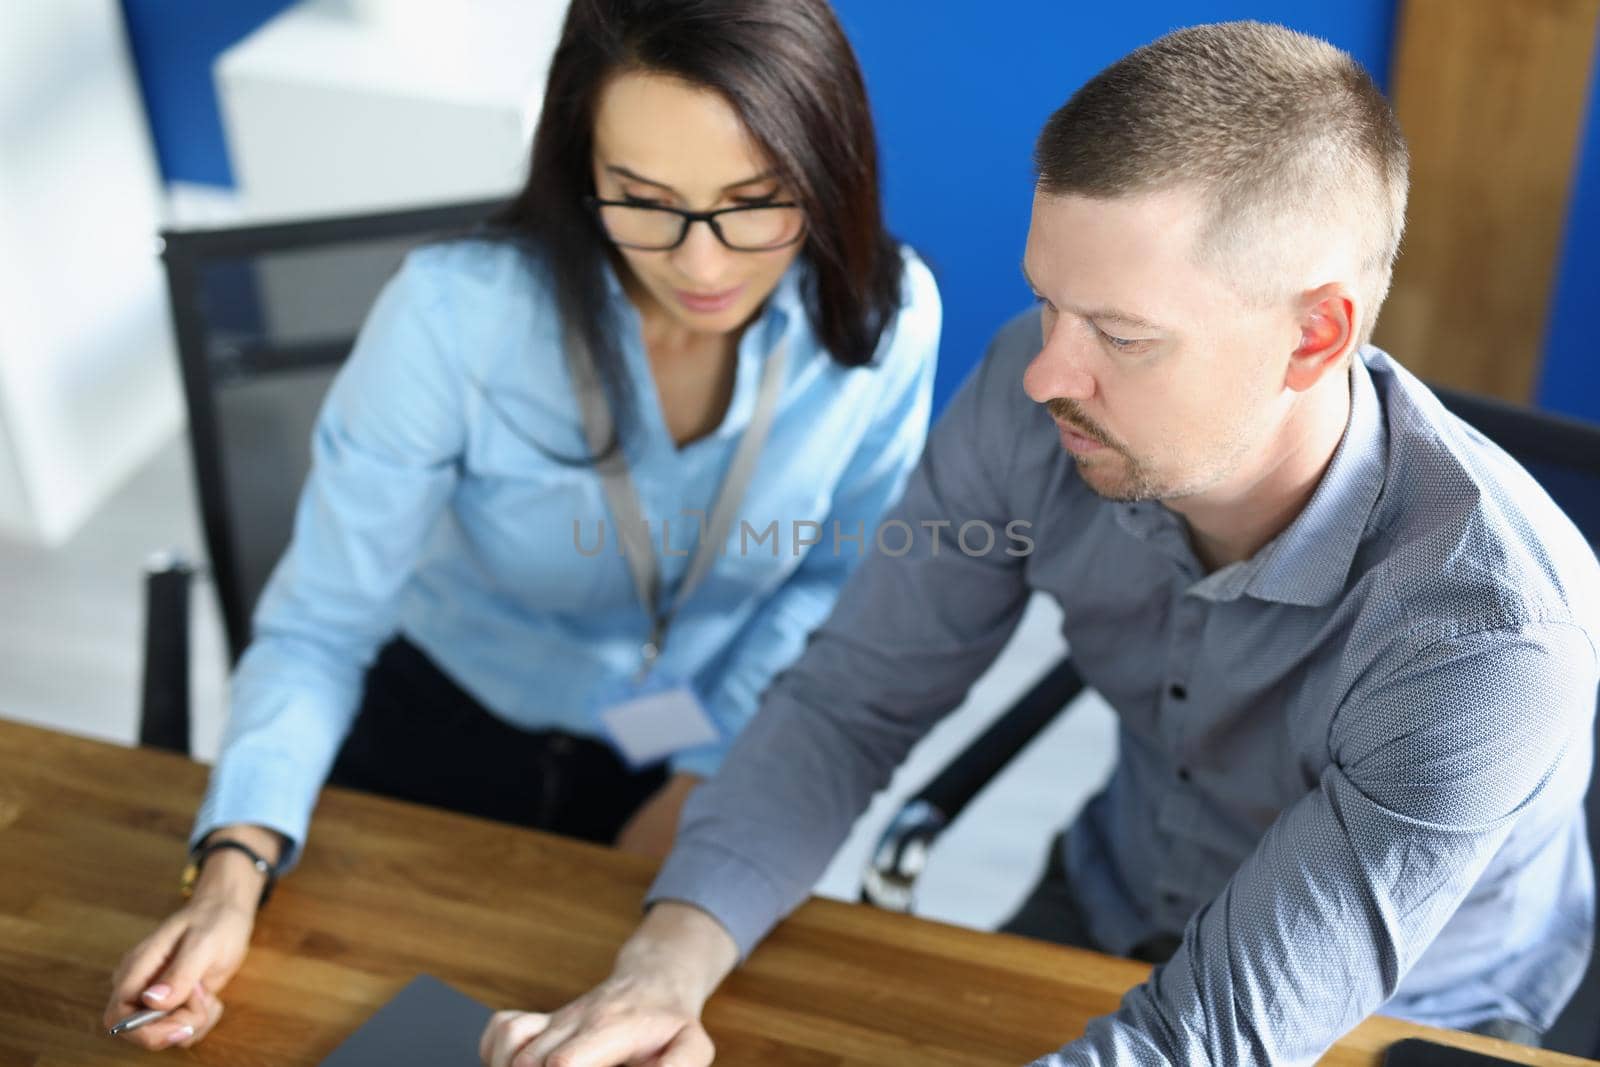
[92, 839]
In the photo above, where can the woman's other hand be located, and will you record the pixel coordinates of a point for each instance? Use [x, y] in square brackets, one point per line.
[651, 830]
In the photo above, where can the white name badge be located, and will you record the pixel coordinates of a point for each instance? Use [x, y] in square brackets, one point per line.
[649, 723]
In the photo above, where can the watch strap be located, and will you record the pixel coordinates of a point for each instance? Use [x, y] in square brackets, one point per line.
[203, 851]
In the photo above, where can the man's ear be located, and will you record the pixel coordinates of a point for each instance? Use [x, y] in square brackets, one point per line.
[1327, 335]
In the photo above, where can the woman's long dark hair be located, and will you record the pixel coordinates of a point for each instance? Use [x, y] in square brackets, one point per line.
[788, 71]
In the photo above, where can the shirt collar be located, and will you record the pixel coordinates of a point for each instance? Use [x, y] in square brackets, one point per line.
[1309, 563]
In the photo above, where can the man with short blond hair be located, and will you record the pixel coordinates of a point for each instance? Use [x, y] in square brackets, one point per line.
[1352, 645]
[1296, 156]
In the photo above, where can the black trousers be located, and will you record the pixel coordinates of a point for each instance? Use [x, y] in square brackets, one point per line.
[1051, 913]
[421, 737]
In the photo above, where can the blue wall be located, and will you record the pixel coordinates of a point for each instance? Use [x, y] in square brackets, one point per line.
[1572, 345]
[959, 95]
[174, 43]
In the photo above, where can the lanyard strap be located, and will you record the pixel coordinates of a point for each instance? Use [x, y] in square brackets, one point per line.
[623, 498]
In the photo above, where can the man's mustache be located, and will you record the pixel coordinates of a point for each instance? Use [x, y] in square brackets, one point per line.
[1063, 410]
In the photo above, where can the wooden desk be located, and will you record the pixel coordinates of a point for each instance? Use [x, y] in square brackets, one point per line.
[92, 839]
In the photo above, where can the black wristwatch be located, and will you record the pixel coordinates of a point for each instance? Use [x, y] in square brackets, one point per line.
[201, 852]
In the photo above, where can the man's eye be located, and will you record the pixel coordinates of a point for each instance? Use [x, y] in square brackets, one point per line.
[1122, 344]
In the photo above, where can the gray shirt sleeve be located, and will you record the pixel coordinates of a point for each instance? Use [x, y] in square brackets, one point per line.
[911, 631]
[1432, 766]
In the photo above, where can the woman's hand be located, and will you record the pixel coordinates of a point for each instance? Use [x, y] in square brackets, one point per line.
[650, 831]
[192, 956]
[182, 966]
[648, 1011]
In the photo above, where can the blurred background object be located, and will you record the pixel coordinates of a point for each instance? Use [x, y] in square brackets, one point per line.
[361, 106]
[87, 388]
[266, 110]
[1499, 263]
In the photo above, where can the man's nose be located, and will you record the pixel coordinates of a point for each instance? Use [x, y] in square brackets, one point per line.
[1060, 369]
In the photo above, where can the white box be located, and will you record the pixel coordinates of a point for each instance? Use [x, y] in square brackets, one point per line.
[359, 105]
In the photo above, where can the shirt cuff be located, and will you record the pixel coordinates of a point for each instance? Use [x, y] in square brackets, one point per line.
[725, 886]
[259, 790]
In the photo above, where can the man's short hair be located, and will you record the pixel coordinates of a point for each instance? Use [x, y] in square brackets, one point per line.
[1285, 136]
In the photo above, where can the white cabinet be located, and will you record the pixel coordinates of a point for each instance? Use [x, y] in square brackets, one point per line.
[357, 105]
[88, 381]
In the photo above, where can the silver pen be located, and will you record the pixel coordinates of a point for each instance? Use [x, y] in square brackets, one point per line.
[138, 1019]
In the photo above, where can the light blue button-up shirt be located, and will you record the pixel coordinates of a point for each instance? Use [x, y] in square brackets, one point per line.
[437, 507]
[1351, 768]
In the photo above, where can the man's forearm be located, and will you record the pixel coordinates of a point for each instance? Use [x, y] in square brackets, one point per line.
[681, 945]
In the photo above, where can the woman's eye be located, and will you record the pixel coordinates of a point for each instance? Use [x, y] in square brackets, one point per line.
[756, 201]
[642, 201]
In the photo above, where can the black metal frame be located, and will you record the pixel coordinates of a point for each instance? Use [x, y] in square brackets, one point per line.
[164, 707]
[184, 253]
[164, 711]
[902, 850]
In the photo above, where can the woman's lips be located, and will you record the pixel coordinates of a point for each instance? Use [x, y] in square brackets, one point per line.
[708, 303]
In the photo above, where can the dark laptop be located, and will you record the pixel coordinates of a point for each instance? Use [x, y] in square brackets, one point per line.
[427, 1024]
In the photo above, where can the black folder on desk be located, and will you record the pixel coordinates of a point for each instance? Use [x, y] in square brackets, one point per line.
[427, 1024]
[1416, 1052]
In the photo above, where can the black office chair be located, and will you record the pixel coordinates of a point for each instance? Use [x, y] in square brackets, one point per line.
[264, 317]
[1562, 454]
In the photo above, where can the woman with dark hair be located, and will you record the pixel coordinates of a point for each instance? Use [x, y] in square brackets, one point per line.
[589, 477]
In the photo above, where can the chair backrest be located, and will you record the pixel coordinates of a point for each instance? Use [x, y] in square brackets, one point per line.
[264, 316]
[1561, 453]
[1564, 455]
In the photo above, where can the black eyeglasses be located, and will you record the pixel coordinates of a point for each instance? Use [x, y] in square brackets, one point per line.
[658, 228]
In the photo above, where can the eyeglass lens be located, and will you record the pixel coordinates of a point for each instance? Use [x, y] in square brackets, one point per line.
[748, 229]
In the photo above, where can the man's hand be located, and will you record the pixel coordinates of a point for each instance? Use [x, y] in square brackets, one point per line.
[647, 1011]
[650, 831]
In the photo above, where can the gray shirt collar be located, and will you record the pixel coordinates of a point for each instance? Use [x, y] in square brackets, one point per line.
[1309, 562]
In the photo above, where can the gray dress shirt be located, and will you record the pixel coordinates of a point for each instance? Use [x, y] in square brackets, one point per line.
[1351, 768]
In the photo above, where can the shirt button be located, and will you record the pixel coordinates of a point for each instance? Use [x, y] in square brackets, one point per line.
[1183, 774]
[1172, 900]
[1178, 692]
